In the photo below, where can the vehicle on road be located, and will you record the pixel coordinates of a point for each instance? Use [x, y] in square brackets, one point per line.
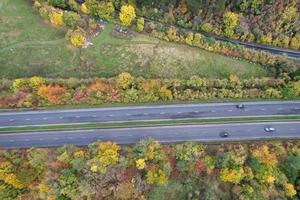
[240, 106]
[269, 129]
[224, 134]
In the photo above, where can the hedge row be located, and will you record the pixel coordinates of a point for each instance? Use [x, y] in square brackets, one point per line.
[125, 88]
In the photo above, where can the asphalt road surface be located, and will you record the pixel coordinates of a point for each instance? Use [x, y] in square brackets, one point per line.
[148, 113]
[201, 133]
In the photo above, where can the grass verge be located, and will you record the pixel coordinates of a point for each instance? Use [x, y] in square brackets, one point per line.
[148, 124]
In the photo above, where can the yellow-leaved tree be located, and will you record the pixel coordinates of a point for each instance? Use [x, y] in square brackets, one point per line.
[232, 175]
[289, 190]
[7, 175]
[127, 15]
[56, 17]
[230, 21]
[108, 156]
[36, 82]
[84, 8]
[140, 24]
[124, 80]
[77, 38]
[140, 164]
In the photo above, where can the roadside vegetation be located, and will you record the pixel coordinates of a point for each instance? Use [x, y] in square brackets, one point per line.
[150, 170]
[125, 88]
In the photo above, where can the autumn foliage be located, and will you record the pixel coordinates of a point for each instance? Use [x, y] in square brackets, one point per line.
[150, 170]
[126, 88]
[127, 15]
[55, 95]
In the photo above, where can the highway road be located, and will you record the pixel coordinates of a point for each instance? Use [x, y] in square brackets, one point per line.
[148, 113]
[201, 133]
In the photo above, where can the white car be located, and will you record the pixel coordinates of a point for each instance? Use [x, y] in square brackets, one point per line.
[269, 129]
[240, 106]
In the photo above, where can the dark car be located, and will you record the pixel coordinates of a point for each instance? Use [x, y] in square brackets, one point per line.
[240, 106]
[80, 1]
[224, 134]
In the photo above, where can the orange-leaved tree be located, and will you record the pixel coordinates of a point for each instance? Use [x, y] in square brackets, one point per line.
[55, 95]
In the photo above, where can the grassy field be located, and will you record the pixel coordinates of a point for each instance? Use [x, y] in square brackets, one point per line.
[29, 46]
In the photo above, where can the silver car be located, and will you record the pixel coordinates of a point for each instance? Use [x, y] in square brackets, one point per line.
[269, 129]
[240, 106]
